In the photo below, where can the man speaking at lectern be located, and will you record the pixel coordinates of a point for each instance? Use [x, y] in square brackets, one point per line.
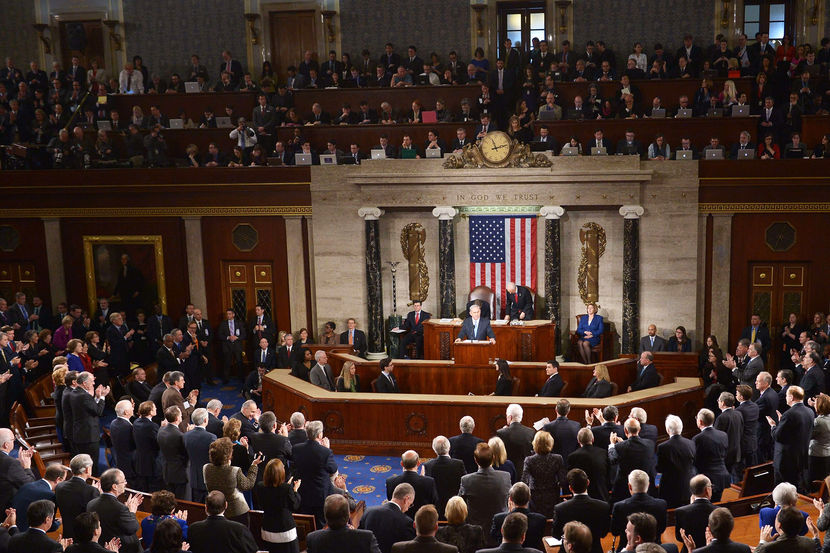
[476, 327]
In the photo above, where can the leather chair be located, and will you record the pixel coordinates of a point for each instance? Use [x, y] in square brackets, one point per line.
[484, 293]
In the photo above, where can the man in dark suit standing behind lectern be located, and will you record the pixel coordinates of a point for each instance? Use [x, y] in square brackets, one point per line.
[476, 327]
[519, 303]
[414, 323]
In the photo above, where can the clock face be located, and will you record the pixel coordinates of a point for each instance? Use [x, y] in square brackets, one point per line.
[495, 147]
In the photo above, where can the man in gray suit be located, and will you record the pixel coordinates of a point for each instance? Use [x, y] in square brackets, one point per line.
[321, 374]
[485, 491]
[476, 327]
[755, 365]
[197, 444]
[652, 342]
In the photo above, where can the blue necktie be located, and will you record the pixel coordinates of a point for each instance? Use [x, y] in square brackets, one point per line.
[475, 331]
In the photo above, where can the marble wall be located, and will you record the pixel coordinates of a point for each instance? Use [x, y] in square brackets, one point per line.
[20, 41]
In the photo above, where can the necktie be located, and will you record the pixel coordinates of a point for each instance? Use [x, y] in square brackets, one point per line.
[228, 66]
[417, 316]
[230, 326]
[517, 297]
[263, 356]
[351, 337]
[23, 310]
[652, 341]
[475, 330]
[753, 334]
[199, 325]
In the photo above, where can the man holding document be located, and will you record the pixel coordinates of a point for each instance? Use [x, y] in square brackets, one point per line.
[476, 327]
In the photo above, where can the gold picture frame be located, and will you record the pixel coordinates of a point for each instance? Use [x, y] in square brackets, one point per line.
[110, 244]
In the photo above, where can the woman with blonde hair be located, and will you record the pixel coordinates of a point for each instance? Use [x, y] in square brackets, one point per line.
[729, 96]
[600, 384]
[500, 460]
[468, 538]
[544, 473]
[588, 332]
[348, 381]
[230, 480]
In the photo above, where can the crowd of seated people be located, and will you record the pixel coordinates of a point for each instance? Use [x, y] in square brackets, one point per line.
[51, 111]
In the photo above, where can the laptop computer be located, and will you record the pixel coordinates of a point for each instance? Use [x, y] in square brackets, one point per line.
[191, 87]
[714, 154]
[746, 154]
[570, 151]
[683, 113]
[794, 153]
[714, 112]
[683, 154]
[548, 115]
[378, 154]
[104, 125]
[223, 123]
[659, 113]
[432, 153]
[429, 117]
[599, 151]
[346, 160]
[302, 159]
[740, 111]
[274, 162]
[177, 123]
[328, 159]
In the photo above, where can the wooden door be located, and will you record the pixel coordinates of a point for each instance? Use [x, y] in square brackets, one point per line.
[19, 276]
[292, 33]
[84, 39]
[777, 290]
[246, 284]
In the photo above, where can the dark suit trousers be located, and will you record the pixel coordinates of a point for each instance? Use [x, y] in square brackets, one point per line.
[231, 353]
[198, 496]
[92, 449]
[179, 490]
[418, 339]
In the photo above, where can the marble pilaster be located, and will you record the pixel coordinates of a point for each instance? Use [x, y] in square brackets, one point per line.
[374, 283]
[54, 259]
[196, 263]
[553, 264]
[446, 259]
[721, 271]
[631, 277]
[296, 271]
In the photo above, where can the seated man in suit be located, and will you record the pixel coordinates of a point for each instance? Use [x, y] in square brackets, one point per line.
[252, 389]
[264, 356]
[599, 142]
[553, 385]
[216, 533]
[519, 303]
[354, 337]
[414, 323]
[386, 383]
[476, 327]
[289, 354]
[389, 522]
[652, 342]
[581, 507]
[647, 376]
[339, 537]
[320, 374]
[445, 470]
[424, 486]
[517, 502]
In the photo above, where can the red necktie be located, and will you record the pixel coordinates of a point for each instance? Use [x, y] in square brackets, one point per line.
[417, 316]
[517, 297]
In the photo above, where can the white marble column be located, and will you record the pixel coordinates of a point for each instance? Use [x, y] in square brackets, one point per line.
[296, 273]
[54, 259]
[721, 270]
[196, 263]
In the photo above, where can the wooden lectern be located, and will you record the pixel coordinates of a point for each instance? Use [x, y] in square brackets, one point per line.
[474, 353]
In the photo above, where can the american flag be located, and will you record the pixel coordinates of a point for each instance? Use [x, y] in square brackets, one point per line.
[502, 250]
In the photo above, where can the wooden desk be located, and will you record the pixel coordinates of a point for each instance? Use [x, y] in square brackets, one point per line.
[533, 341]
[401, 98]
[194, 105]
[672, 364]
[387, 424]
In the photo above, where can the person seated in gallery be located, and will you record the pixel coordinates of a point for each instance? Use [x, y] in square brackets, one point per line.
[348, 381]
[519, 303]
[589, 331]
[482, 304]
[476, 327]
[600, 384]
[504, 385]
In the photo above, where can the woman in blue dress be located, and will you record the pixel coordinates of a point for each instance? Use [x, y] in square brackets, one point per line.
[589, 332]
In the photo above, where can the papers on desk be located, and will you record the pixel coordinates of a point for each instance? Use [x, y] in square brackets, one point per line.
[498, 322]
[398, 331]
[537, 426]
[445, 321]
[552, 542]
[474, 342]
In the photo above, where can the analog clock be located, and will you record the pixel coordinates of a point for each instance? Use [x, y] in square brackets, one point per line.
[496, 147]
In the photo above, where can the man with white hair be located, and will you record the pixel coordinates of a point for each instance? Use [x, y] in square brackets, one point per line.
[463, 445]
[647, 431]
[14, 473]
[297, 433]
[519, 303]
[476, 327]
[632, 453]
[73, 495]
[197, 444]
[445, 470]
[87, 407]
[517, 438]
[710, 453]
[215, 424]
[424, 486]
[638, 502]
[315, 464]
[123, 440]
[248, 415]
[320, 374]
[675, 461]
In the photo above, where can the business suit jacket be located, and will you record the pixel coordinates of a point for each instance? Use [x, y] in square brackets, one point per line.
[518, 444]
[314, 464]
[224, 332]
[485, 493]
[387, 384]
[116, 522]
[767, 404]
[606, 143]
[484, 330]
[564, 431]
[728, 546]
[145, 432]
[249, 427]
[359, 343]
[693, 518]
[423, 544]
[749, 440]
[28, 494]
[171, 443]
[812, 382]
[675, 460]
[215, 425]
[647, 377]
[659, 344]
[762, 333]
[794, 544]
[631, 454]
[342, 540]
[167, 360]
[711, 445]
[463, 447]
[17, 315]
[602, 434]
[511, 547]
[270, 359]
[33, 541]
[272, 446]
[447, 473]
[72, 497]
[746, 375]
[5, 536]
[157, 329]
[598, 388]
[792, 438]
[286, 359]
[12, 477]
[197, 445]
[389, 525]
[322, 376]
[139, 391]
[535, 527]
[425, 490]
[172, 397]
[731, 422]
[637, 503]
[596, 514]
[552, 387]
[522, 304]
[123, 446]
[409, 322]
[86, 412]
[594, 461]
[216, 533]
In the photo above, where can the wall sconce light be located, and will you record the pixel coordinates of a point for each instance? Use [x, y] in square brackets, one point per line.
[47, 44]
[115, 38]
[724, 16]
[252, 17]
[814, 14]
[328, 17]
[479, 23]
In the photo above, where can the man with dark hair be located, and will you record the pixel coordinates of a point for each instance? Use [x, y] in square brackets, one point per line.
[41, 515]
[553, 385]
[608, 424]
[216, 533]
[756, 331]
[174, 453]
[117, 519]
[231, 334]
[486, 490]
[788, 523]
[594, 462]
[172, 397]
[386, 383]
[593, 512]
[518, 502]
[338, 537]
[35, 491]
[694, 517]
[563, 430]
[389, 522]
[426, 526]
[731, 422]
[749, 439]
[720, 526]
[792, 438]
[513, 531]
[424, 486]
